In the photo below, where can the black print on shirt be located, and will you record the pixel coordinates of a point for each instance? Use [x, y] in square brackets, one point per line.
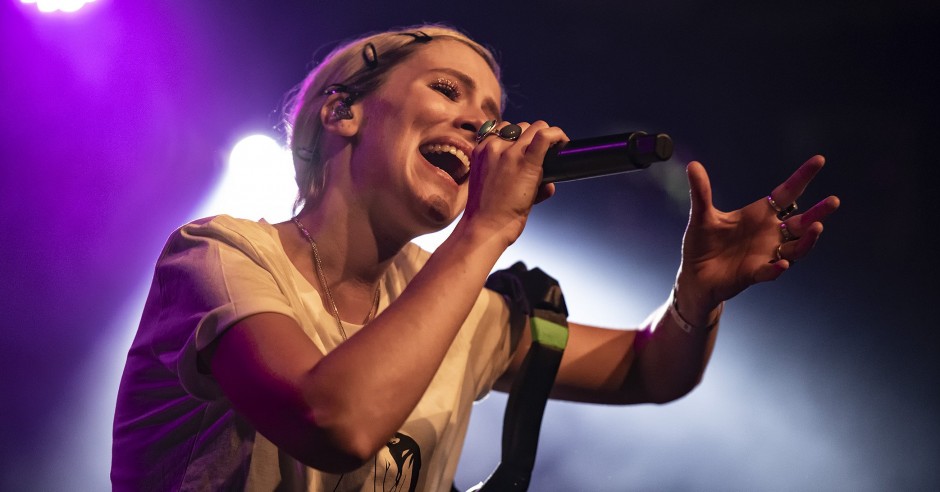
[407, 456]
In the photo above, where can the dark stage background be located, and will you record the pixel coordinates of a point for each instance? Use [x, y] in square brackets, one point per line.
[116, 123]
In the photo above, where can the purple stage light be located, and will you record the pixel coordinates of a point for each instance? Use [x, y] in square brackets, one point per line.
[47, 6]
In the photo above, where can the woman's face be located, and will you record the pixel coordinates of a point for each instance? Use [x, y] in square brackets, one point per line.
[412, 154]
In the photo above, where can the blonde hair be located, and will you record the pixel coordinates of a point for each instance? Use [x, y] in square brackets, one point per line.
[356, 67]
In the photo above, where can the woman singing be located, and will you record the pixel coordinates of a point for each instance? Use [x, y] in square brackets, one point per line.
[328, 352]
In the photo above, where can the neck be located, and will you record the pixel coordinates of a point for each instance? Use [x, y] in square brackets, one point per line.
[348, 283]
[352, 249]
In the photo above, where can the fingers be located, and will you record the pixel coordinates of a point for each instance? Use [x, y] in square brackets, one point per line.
[798, 224]
[800, 233]
[545, 192]
[700, 189]
[516, 158]
[770, 271]
[484, 141]
[529, 147]
[799, 248]
[534, 140]
[752, 245]
[537, 139]
[791, 189]
[819, 211]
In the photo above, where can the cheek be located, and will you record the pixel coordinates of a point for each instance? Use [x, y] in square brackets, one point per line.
[438, 105]
[379, 144]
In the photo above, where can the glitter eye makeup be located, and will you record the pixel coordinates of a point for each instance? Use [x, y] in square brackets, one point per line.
[447, 87]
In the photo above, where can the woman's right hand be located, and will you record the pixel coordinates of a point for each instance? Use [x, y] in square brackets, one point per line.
[505, 179]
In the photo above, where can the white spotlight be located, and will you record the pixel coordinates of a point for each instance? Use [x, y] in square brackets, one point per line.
[258, 182]
[47, 6]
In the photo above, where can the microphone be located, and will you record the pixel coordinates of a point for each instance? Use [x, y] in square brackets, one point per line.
[600, 156]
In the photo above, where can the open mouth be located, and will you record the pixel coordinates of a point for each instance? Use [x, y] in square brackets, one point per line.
[449, 159]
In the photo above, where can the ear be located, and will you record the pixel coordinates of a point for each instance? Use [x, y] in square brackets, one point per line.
[339, 116]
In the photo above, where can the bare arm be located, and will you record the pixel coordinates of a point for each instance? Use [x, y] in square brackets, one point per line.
[723, 253]
[602, 365]
[335, 411]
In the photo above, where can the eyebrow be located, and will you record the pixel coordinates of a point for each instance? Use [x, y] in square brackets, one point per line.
[489, 105]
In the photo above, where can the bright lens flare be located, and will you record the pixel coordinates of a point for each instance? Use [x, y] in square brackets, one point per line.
[258, 182]
[47, 6]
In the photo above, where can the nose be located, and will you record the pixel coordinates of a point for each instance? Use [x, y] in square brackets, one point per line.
[471, 120]
[471, 127]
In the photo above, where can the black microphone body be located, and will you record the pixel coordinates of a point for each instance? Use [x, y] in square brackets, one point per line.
[600, 156]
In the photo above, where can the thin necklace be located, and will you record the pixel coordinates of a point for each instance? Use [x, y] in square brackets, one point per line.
[326, 285]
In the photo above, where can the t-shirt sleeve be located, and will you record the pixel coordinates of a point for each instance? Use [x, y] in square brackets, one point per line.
[210, 276]
[492, 344]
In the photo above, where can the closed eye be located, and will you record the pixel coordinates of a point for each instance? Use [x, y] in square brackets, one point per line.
[447, 87]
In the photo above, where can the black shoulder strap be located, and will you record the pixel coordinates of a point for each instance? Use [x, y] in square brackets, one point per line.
[539, 295]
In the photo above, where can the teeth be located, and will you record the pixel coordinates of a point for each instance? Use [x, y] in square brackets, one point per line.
[450, 149]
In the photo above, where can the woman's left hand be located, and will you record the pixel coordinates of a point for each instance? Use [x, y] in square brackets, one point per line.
[723, 253]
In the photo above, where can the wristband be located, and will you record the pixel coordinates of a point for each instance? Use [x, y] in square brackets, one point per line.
[685, 325]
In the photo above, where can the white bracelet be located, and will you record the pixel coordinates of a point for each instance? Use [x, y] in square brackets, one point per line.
[687, 327]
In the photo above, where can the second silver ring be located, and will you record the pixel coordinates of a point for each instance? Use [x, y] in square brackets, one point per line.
[510, 132]
[785, 232]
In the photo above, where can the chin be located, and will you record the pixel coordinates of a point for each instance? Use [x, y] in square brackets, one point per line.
[439, 212]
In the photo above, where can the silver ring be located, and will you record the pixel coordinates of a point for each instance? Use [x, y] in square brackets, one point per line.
[510, 132]
[782, 213]
[777, 254]
[785, 231]
[486, 129]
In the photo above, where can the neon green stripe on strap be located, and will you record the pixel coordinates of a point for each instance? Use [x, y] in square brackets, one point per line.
[548, 333]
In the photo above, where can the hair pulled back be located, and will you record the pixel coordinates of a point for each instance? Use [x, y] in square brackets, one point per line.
[357, 68]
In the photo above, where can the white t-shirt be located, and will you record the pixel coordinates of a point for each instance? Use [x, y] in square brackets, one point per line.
[175, 430]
